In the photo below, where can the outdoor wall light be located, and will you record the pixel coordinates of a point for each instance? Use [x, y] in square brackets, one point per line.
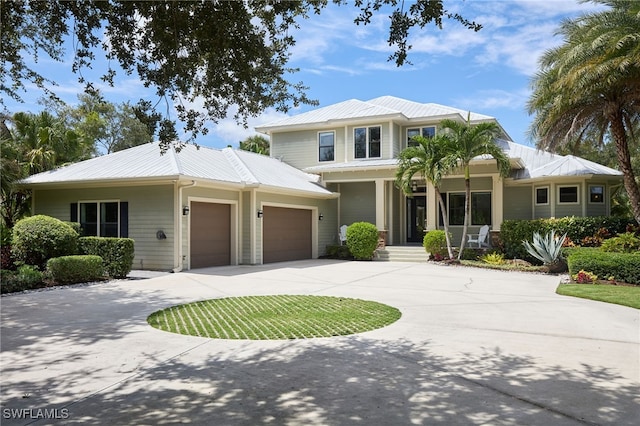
[260, 214]
[185, 211]
[320, 216]
[161, 235]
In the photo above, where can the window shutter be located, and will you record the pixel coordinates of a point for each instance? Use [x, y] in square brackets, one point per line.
[124, 219]
[73, 216]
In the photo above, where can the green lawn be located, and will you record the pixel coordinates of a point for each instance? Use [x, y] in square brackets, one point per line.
[274, 317]
[620, 295]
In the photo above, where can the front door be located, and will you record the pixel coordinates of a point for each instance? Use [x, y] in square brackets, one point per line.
[416, 218]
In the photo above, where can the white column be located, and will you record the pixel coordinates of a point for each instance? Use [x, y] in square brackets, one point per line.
[432, 208]
[380, 204]
[498, 202]
[389, 224]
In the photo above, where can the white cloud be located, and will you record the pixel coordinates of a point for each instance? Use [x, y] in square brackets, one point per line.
[487, 100]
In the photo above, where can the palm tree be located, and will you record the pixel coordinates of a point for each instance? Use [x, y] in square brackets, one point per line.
[429, 160]
[258, 144]
[468, 142]
[591, 83]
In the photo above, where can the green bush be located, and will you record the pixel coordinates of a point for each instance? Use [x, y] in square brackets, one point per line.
[75, 269]
[513, 232]
[435, 243]
[338, 252]
[362, 240]
[27, 277]
[37, 239]
[620, 266]
[117, 253]
[623, 243]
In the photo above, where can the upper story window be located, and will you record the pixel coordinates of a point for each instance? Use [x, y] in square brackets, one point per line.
[568, 195]
[427, 132]
[326, 146]
[367, 142]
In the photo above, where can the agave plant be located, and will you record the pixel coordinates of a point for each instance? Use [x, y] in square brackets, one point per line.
[546, 248]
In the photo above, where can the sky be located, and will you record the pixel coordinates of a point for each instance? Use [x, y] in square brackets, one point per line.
[487, 72]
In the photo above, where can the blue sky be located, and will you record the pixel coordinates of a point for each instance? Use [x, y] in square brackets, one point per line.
[488, 72]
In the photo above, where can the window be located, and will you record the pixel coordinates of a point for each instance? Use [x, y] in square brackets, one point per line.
[480, 208]
[542, 195]
[326, 143]
[427, 132]
[568, 194]
[101, 218]
[367, 142]
[596, 194]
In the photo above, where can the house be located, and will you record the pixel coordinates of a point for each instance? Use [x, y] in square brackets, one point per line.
[194, 208]
[352, 146]
[329, 167]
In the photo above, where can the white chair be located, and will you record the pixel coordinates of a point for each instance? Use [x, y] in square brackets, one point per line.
[480, 238]
[342, 234]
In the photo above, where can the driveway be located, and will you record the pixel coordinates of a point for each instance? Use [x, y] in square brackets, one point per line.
[473, 346]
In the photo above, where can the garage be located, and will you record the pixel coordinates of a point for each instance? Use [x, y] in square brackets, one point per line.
[210, 234]
[286, 234]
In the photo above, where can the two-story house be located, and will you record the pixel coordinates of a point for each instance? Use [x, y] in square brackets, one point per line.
[353, 146]
[330, 166]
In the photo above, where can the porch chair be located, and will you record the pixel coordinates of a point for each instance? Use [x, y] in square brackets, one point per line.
[480, 238]
[342, 234]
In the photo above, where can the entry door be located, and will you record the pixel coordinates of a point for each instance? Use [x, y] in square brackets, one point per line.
[416, 218]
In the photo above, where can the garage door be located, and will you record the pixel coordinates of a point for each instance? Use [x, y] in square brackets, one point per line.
[210, 235]
[286, 234]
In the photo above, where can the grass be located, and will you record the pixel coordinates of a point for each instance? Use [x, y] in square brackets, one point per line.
[620, 295]
[274, 317]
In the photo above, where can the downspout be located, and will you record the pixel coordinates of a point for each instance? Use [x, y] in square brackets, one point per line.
[178, 223]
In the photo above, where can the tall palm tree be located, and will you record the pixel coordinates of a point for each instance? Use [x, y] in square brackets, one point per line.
[468, 142]
[428, 159]
[591, 83]
[256, 143]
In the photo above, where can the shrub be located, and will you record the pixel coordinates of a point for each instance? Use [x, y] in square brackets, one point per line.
[117, 253]
[27, 277]
[493, 258]
[513, 232]
[623, 243]
[362, 240]
[37, 239]
[584, 277]
[75, 269]
[622, 266]
[338, 252]
[435, 243]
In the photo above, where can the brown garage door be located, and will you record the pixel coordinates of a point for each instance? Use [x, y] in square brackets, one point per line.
[210, 234]
[286, 234]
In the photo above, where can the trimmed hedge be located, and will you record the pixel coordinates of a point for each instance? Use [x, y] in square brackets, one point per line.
[362, 240]
[117, 253]
[620, 266]
[37, 239]
[513, 232]
[75, 269]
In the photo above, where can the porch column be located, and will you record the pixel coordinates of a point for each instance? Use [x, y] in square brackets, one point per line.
[498, 202]
[380, 204]
[390, 218]
[432, 208]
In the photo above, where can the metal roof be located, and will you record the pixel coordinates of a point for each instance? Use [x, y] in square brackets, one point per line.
[223, 166]
[382, 107]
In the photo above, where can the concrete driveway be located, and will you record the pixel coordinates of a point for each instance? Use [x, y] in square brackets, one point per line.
[472, 347]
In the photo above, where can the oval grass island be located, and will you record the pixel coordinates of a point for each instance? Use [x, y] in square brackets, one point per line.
[275, 317]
